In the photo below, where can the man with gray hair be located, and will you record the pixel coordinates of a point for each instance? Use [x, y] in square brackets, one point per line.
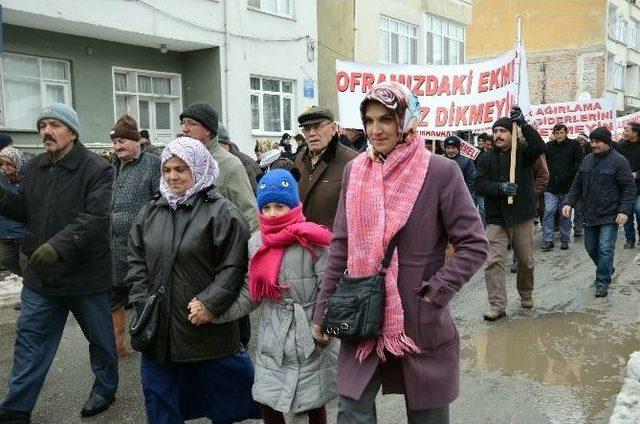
[65, 201]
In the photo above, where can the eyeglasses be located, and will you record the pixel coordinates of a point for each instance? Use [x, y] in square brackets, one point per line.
[307, 128]
[190, 124]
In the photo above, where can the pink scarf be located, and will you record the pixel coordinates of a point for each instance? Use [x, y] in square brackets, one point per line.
[380, 198]
[277, 234]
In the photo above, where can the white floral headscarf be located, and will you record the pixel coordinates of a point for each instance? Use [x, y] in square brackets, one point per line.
[204, 169]
[16, 156]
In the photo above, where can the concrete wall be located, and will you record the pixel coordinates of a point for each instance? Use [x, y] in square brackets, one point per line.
[91, 74]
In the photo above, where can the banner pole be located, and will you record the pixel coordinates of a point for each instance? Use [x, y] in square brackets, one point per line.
[514, 126]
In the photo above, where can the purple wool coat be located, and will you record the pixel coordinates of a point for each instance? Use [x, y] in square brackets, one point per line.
[444, 211]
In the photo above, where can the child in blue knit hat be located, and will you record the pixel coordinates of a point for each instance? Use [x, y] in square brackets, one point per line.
[295, 366]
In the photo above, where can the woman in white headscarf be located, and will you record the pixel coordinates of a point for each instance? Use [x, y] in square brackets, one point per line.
[193, 243]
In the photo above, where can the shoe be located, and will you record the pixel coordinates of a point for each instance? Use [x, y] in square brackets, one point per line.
[629, 244]
[493, 314]
[526, 303]
[7, 416]
[514, 268]
[564, 245]
[577, 234]
[548, 245]
[601, 291]
[96, 404]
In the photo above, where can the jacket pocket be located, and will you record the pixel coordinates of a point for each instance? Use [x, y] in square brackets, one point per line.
[434, 326]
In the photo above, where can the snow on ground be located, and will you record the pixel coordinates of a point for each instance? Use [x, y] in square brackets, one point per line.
[627, 408]
[10, 287]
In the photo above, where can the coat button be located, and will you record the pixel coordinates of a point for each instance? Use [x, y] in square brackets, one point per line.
[75, 237]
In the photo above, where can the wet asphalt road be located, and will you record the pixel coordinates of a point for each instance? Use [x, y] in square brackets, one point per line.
[562, 362]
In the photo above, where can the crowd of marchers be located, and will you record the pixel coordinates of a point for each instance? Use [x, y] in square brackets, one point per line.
[196, 235]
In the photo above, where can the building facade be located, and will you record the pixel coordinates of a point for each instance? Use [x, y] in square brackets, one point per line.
[254, 60]
[394, 31]
[575, 48]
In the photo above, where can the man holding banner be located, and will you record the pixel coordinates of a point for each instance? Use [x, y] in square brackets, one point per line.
[509, 223]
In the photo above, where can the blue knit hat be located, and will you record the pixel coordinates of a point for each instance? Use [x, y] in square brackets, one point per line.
[62, 113]
[278, 186]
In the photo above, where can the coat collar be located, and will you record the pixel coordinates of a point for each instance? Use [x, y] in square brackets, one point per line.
[329, 153]
[70, 161]
[209, 194]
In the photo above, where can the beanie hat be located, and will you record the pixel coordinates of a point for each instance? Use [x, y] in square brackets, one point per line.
[204, 113]
[5, 140]
[452, 140]
[278, 186]
[126, 127]
[62, 113]
[504, 123]
[601, 134]
[223, 134]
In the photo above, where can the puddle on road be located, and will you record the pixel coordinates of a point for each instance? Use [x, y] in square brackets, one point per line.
[576, 350]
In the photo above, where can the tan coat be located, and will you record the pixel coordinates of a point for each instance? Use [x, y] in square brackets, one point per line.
[320, 186]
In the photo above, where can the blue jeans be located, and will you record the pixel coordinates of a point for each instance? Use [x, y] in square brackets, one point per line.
[600, 243]
[40, 326]
[629, 227]
[552, 203]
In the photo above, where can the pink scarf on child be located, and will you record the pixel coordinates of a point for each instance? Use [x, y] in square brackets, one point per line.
[277, 234]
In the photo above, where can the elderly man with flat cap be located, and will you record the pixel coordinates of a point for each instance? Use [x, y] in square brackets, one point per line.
[321, 164]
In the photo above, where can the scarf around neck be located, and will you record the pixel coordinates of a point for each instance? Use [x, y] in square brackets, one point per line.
[278, 233]
[380, 198]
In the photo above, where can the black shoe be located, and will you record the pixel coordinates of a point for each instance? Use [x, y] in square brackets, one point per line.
[96, 404]
[548, 245]
[514, 268]
[630, 244]
[7, 416]
[577, 234]
[601, 291]
[564, 245]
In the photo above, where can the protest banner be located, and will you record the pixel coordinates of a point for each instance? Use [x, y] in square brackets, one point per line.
[452, 97]
[581, 116]
[469, 150]
[623, 121]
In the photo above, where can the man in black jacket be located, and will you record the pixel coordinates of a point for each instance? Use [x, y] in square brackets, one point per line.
[630, 149]
[605, 185]
[65, 200]
[452, 151]
[509, 224]
[563, 158]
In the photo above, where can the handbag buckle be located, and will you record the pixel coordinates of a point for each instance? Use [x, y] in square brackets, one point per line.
[344, 326]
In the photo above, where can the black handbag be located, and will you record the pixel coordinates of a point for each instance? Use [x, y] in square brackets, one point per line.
[355, 311]
[144, 325]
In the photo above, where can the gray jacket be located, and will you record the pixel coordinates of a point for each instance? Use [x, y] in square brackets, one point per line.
[292, 373]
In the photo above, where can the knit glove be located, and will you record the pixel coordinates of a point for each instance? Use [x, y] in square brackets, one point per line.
[45, 256]
[508, 189]
[517, 116]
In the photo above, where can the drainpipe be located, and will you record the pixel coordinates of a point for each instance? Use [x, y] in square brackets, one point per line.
[226, 65]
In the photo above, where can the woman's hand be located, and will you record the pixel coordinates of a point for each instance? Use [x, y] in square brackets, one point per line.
[198, 313]
[320, 335]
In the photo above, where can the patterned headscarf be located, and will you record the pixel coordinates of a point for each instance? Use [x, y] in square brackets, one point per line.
[400, 100]
[16, 156]
[204, 169]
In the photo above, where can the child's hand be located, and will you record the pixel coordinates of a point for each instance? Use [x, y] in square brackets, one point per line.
[320, 335]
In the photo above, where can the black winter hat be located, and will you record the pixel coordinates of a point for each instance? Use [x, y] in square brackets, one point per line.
[502, 122]
[601, 134]
[204, 113]
[452, 140]
[5, 140]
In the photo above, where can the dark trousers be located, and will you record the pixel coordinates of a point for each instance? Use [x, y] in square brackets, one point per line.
[40, 326]
[630, 225]
[363, 410]
[600, 243]
[271, 416]
[10, 255]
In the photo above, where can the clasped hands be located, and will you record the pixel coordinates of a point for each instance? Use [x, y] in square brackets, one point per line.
[198, 313]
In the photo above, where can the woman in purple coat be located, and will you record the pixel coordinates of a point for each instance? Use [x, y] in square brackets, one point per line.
[398, 185]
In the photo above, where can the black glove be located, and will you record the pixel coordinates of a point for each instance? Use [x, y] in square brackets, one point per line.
[517, 116]
[508, 189]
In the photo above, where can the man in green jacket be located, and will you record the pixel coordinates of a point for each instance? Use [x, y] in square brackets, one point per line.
[200, 121]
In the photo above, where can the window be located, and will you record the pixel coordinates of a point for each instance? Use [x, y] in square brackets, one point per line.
[277, 7]
[154, 99]
[618, 76]
[271, 105]
[612, 21]
[621, 27]
[398, 41]
[633, 34]
[444, 41]
[29, 84]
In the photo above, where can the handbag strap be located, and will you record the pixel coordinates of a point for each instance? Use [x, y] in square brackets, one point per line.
[393, 243]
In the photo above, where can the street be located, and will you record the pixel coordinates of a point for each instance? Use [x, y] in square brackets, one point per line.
[562, 362]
